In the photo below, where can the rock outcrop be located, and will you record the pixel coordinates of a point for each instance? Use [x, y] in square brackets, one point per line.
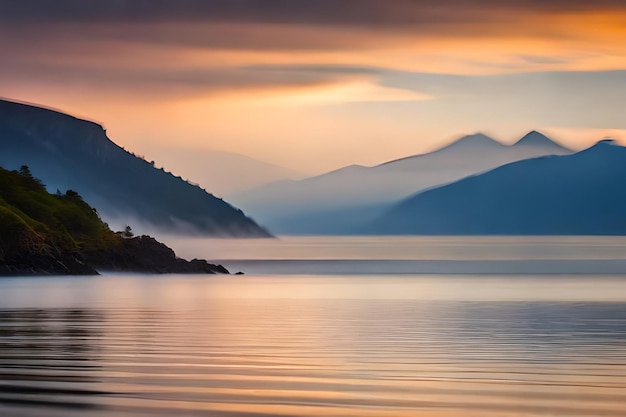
[60, 234]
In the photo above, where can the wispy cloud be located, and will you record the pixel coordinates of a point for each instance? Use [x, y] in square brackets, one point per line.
[354, 69]
[320, 12]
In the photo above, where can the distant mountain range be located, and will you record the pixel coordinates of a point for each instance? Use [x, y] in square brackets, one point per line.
[224, 173]
[341, 201]
[579, 194]
[70, 153]
[473, 186]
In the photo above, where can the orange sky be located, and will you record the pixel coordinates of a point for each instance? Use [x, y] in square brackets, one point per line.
[317, 86]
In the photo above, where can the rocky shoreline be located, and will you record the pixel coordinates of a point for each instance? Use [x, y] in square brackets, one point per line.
[60, 234]
[146, 254]
[142, 254]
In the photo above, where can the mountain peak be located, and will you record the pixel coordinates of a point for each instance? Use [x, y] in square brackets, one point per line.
[575, 194]
[608, 141]
[476, 139]
[606, 144]
[534, 138]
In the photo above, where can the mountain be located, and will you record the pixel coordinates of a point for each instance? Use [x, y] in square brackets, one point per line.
[342, 200]
[579, 194]
[535, 139]
[70, 153]
[224, 173]
[43, 233]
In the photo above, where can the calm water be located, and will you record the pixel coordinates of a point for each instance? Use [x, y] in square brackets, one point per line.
[287, 341]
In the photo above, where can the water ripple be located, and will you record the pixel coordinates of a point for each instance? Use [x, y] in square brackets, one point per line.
[315, 357]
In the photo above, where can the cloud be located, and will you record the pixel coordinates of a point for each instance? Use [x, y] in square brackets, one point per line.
[182, 82]
[297, 84]
[320, 12]
[563, 98]
[556, 98]
[458, 36]
[351, 91]
[459, 54]
[542, 59]
[282, 24]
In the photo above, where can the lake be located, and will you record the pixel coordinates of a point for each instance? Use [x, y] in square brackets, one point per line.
[333, 326]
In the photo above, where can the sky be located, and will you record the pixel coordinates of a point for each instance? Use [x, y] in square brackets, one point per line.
[316, 85]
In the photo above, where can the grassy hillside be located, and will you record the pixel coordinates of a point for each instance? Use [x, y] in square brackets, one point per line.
[43, 233]
[43, 230]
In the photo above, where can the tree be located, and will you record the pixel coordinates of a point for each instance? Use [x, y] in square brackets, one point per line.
[35, 183]
[128, 232]
[25, 171]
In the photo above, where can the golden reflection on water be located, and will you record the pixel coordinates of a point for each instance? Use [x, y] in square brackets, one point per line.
[313, 346]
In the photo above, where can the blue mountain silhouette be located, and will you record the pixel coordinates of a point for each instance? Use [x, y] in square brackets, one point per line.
[579, 194]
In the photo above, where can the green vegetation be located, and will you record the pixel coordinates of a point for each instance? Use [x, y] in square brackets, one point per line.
[37, 224]
[43, 233]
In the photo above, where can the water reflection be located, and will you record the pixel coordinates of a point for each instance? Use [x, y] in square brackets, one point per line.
[320, 356]
[49, 357]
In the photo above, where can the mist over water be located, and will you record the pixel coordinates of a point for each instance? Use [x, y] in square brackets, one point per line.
[528, 255]
[294, 342]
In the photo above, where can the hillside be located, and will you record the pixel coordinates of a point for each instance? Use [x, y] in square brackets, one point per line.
[43, 233]
[342, 200]
[579, 194]
[70, 153]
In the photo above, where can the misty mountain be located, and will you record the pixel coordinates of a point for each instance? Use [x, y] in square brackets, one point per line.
[579, 194]
[70, 153]
[339, 201]
[224, 173]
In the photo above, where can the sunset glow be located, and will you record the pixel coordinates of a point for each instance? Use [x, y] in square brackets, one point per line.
[370, 82]
[325, 208]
